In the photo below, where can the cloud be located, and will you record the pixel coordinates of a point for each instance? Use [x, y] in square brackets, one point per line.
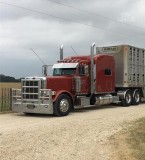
[21, 29]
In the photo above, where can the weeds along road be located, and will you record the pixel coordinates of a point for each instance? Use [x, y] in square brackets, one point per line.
[82, 135]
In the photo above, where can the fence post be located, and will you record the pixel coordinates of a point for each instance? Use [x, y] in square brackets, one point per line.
[5, 99]
[2, 100]
[10, 99]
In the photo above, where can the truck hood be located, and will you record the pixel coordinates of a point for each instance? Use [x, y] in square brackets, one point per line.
[57, 83]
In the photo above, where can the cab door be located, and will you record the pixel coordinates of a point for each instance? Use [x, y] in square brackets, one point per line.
[84, 76]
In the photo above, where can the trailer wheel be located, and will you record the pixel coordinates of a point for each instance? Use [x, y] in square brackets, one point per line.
[136, 97]
[63, 105]
[126, 101]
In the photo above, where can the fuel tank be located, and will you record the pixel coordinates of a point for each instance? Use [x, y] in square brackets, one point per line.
[104, 99]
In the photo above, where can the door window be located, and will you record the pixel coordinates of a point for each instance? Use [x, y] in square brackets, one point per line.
[81, 70]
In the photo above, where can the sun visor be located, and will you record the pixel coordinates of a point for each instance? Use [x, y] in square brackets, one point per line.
[65, 65]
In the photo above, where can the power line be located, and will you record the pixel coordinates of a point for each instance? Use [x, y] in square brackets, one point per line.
[97, 15]
[74, 50]
[37, 56]
[65, 19]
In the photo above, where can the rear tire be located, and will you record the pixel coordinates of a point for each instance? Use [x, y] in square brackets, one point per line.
[62, 106]
[126, 101]
[136, 98]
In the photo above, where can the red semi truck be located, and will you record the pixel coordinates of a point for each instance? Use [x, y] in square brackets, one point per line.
[115, 74]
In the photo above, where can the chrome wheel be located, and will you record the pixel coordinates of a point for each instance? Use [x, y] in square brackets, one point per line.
[126, 101]
[64, 105]
[137, 97]
[128, 98]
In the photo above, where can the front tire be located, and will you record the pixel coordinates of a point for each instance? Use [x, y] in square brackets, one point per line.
[126, 101]
[62, 106]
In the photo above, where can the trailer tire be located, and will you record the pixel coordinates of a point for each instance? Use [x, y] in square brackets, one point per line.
[62, 106]
[127, 100]
[136, 97]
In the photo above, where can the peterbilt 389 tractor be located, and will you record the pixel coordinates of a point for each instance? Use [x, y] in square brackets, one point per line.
[112, 74]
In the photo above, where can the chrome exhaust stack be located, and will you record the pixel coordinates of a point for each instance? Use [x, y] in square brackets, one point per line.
[61, 52]
[44, 70]
[92, 68]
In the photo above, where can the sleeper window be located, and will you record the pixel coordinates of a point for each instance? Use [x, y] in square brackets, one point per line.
[108, 72]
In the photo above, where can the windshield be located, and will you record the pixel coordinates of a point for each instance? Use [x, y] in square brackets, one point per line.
[63, 71]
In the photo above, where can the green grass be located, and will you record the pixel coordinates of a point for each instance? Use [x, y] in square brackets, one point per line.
[136, 139]
[129, 144]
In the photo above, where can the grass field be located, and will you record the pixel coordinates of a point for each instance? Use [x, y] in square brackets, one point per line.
[136, 139]
[9, 85]
[129, 144]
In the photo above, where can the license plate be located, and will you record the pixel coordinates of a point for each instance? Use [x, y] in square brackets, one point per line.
[30, 106]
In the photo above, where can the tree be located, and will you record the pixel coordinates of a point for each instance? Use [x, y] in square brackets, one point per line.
[4, 78]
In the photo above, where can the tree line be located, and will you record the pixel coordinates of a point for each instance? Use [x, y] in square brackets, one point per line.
[4, 78]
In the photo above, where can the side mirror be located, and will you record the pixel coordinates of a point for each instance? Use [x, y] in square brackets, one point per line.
[44, 70]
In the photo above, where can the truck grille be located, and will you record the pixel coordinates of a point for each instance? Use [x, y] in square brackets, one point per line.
[30, 89]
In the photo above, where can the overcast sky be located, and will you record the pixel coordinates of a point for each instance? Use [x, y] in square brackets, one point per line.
[106, 22]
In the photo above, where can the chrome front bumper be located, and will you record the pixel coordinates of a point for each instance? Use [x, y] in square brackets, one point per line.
[43, 105]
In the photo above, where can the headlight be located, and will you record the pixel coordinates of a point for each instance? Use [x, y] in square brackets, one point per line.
[53, 93]
[46, 92]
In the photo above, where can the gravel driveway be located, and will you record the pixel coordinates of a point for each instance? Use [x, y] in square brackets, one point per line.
[82, 135]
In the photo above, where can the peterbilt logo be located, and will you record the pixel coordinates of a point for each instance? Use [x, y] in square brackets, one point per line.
[108, 49]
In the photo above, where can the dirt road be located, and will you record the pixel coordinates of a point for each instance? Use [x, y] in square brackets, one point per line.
[80, 136]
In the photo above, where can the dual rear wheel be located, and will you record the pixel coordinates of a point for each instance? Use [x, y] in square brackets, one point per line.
[133, 98]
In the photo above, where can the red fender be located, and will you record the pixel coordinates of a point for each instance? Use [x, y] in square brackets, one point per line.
[54, 98]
